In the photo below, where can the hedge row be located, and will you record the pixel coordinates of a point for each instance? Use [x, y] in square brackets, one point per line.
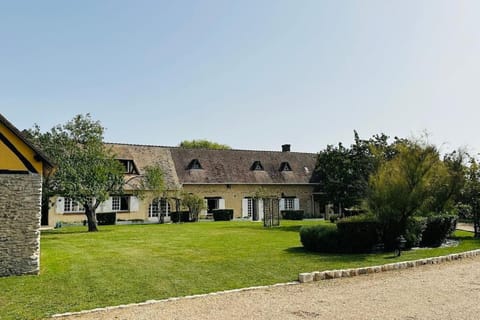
[364, 233]
[222, 214]
[180, 216]
[292, 214]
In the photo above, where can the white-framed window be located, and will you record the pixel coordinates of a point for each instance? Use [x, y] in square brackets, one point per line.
[154, 209]
[71, 206]
[289, 203]
[250, 204]
[120, 203]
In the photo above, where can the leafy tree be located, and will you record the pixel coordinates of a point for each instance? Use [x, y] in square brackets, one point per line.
[344, 172]
[86, 171]
[404, 186]
[450, 182]
[194, 203]
[471, 193]
[203, 144]
[152, 186]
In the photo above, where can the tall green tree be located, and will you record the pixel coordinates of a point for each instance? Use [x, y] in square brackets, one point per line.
[404, 186]
[151, 186]
[87, 171]
[345, 171]
[203, 144]
[471, 193]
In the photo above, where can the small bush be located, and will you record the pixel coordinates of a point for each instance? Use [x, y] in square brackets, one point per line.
[358, 233]
[180, 216]
[334, 217]
[292, 214]
[465, 212]
[415, 228]
[320, 238]
[106, 218]
[438, 228]
[222, 214]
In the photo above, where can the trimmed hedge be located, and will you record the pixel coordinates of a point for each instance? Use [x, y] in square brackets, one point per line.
[358, 233]
[320, 238]
[292, 214]
[438, 229]
[222, 214]
[106, 218]
[180, 216]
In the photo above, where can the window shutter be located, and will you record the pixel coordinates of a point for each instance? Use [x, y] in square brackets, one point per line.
[281, 204]
[221, 203]
[261, 211]
[245, 207]
[296, 204]
[60, 205]
[105, 206]
[134, 204]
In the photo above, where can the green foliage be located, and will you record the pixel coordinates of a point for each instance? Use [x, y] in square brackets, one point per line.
[438, 228]
[203, 144]
[333, 217]
[194, 203]
[404, 186]
[153, 181]
[320, 238]
[292, 214]
[85, 168]
[471, 193]
[345, 172]
[413, 233]
[358, 233]
[464, 211]
[222, 214]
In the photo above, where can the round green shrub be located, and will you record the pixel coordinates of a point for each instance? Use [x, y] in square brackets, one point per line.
[320, 238]
[438, 228]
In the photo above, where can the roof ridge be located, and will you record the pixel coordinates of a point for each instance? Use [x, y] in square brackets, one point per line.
[205, 149]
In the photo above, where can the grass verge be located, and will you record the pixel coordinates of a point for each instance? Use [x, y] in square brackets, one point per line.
[135, 263]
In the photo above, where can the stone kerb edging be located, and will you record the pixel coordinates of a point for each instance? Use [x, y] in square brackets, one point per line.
[149, 302]
[345, 273]
[302, 278]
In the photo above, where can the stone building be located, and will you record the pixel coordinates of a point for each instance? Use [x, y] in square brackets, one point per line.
[225, 179]
[21, 169]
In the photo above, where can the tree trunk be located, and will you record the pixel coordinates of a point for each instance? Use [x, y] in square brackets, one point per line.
[91, 218]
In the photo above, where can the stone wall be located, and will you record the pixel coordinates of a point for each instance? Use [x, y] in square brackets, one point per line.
[20, 210]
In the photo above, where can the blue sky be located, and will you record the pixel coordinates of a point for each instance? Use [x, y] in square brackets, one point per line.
[250, 74]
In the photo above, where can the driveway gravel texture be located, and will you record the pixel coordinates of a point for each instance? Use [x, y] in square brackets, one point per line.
[449, 290]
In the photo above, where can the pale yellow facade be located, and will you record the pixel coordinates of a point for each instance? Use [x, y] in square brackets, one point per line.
[9, 160]
[232, 195]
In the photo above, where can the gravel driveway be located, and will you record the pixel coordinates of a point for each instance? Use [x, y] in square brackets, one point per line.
[446, 291]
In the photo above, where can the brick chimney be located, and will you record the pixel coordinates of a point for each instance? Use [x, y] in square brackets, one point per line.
[286, 148]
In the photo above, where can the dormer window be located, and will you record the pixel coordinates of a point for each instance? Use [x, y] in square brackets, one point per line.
[129, 166]
[257, 166]
[194, 164]
[285, 166]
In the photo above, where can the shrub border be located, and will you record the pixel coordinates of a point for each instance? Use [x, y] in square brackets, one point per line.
[347, 273]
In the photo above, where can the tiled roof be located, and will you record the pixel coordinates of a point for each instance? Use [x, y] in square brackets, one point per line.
[235, 166]
[144, 156]
[221, 166]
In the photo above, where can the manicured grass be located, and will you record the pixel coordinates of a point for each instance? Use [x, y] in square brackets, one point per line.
[126, 264]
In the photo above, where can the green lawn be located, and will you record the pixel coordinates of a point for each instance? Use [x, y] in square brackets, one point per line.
[126, 264]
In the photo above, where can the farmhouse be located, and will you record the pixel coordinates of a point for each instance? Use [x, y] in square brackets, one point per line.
[21, 169]
[225, 179]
